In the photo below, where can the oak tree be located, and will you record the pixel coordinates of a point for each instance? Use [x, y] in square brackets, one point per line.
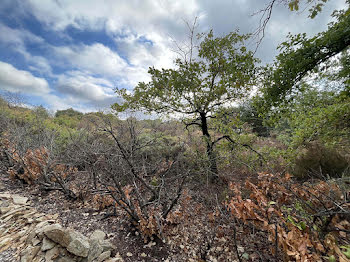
[223, 72]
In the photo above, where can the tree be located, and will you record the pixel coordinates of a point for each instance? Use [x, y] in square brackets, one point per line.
[293, 5]
[301, 55]
[68, 112]
[223, 72]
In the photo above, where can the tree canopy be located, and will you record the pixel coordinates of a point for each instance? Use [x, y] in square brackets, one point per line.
[223, 72]
[301, 55]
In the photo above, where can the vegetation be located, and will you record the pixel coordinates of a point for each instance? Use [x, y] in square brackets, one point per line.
[224, 72]
[267, 175]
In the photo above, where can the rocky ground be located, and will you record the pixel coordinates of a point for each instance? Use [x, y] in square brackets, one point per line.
[28, 235]
[84, 219]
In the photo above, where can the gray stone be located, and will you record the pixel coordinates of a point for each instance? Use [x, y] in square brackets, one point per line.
[29, 254]
[104, 256]
[66, 259]
[35, 241]
[47, 244]
[95, 250]
[4, 210]
[57, 234]
[19, 200]
[98, 234]
[52, 254]
[79, 244]
[5, 195]
[106, 245]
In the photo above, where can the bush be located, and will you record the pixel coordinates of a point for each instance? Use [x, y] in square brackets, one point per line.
[317, 160]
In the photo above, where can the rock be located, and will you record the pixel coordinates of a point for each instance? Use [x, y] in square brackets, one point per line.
[19, 200]
[116, 258]
[57, 234]
[106, 245]
[79, 244]
[29, 253]
[96, 249]
[4, 210]
[98, 234]
[129, 254]
[47, 244]
[31, 236]
[5, 241]
[104, 256]
[66, 259]
[35, 241]
[52, 254]
[5, 196]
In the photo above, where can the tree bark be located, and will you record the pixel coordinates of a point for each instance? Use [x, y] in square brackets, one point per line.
[210, 148]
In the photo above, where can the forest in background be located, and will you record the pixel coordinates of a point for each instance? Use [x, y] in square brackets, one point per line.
[267, 174]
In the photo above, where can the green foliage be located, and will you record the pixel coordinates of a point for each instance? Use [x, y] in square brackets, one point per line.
[68, 112]
[223, 72]
[301, 55]
[249, 114]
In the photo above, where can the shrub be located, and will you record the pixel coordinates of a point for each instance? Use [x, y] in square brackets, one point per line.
[317, 160]
[302, 221]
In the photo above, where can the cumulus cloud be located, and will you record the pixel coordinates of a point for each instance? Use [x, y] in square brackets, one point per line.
[95, 58]
[14, 80]
[84, 88]
[100, 60]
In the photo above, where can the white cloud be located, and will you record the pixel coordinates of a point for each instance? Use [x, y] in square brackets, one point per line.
[16, 39]
[96, 58]
[147, 19]
[86, 88]
[17, 36]
[134, 15]
[14, 80]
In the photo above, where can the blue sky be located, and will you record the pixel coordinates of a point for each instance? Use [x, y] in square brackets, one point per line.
[74, 53]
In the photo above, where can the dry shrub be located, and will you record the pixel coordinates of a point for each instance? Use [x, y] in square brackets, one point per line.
[101, 201]
[28, 167]
[38, 166]
[304, 222]
[317, 160]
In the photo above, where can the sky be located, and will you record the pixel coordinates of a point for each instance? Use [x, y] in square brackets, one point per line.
[73, 53]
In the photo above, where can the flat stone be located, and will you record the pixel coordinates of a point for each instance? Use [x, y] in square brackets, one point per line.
[35, 241]
[104, 256]
[19, 200]
[106, 245]
[5, 241]
[31, 236]
[47, 244]
[98, 234]
[4, 210]
[79, 244]
[29, 254]
[57, 234]
[96, 249]
[115, 259]
[52, 254]
[66, 259]
[5, 196]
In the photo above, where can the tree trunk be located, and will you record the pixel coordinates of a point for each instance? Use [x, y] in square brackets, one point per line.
[210, 150]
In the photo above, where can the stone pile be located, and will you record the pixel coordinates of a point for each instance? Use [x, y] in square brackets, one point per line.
[39, 238]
